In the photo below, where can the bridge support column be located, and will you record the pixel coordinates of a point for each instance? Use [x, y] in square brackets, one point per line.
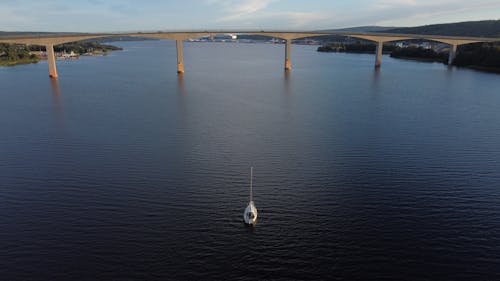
[51, 60]
[180, 62]
[378, 53]
[452, 54]
[288, 48]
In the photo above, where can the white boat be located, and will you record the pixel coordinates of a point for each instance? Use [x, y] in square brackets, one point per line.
[250, 214]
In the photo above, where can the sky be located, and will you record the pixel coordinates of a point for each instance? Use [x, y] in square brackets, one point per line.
[171, 15]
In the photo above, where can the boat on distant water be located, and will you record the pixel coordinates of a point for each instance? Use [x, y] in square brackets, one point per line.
[250, 214]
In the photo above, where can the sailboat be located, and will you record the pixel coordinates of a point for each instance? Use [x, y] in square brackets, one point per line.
[250, 214]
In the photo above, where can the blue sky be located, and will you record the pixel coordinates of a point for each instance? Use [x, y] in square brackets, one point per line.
[149, 15]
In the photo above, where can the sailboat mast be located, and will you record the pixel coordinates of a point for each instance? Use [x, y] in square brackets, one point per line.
[251, 178]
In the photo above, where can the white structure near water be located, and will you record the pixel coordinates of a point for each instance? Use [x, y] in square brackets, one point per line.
[250, 214]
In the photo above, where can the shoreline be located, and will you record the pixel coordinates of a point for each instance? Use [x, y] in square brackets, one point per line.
[431, 60]
[418, 59]
[103, 53]
[27, 55]
[9, 63]
[473, 67]
[18, 62]
[482, 68]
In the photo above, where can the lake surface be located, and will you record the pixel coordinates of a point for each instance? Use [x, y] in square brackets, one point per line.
[123, 170]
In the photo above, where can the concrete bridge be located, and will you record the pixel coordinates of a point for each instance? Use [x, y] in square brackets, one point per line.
[49, 41]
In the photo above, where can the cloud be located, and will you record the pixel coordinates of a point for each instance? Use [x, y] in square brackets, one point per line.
[426, 11]
[411, 13]
[264, 13]
[302, 19]
[250, 12]
[240, 9]
[393, 3]
[249, 7]
[294, 19]
[115, 15]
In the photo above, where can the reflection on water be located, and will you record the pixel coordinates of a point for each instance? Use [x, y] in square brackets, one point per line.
[180, 84]
[376, 78]
[56, 91]
[376, 73]
[57, 103]
[182, 96]
[286, 83]
[287, 91]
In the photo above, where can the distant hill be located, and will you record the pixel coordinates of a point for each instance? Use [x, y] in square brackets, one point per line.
[337, 38]
[486, 28]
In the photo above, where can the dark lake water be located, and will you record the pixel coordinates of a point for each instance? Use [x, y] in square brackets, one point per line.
[123, 170]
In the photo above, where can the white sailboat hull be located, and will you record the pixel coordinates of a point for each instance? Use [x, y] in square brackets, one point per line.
[250, 214]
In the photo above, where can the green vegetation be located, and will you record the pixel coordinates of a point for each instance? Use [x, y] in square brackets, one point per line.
[481, 56]
[358, 47]
[85, 47]
[15, 54]
[419, 53]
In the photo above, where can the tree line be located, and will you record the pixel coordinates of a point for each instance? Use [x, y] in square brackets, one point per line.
[12, 54]
[478, 55]
[356, 47]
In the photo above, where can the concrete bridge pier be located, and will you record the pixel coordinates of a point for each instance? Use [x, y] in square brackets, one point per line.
[378, 54]
[288, 48]
[452, 54]
[51, 60]
[180, 62]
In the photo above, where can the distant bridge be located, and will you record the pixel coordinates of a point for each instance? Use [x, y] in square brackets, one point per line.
[49, 41]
